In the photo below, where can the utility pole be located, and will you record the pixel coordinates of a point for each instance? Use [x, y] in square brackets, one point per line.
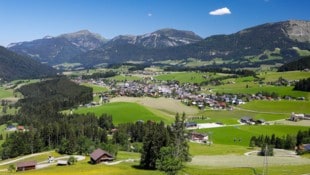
[265, 170]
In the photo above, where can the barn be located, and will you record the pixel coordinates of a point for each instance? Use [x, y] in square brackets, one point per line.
[23, 166]
[100, 155]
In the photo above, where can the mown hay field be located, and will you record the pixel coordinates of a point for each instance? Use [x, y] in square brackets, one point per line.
[167, 105]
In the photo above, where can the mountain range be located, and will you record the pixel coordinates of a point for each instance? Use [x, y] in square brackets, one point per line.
[270, 43]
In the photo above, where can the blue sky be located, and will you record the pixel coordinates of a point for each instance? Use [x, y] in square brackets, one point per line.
[25, 20]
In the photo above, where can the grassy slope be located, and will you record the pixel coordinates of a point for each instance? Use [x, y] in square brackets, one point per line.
[123, 112]
[4, 93]
[283, 106]
[290, 75]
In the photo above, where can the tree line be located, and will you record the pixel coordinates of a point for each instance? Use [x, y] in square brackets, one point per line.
[289, 142]
[99, 75]
[68, 134]
[303, 85]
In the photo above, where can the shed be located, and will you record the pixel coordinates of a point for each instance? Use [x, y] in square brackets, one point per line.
[100, 155]
[23, 166]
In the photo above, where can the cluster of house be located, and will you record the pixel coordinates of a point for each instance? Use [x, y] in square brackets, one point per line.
[96, 157]
[187, 93]
[15, 128]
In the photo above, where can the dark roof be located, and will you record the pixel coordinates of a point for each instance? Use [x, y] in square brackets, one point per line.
[26, 164]
[246, 118]
[98, 153]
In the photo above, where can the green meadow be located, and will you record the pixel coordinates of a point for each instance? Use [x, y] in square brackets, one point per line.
[290, 75]
[124, 112]
[189, 77]
[283, 106]
[5, 93]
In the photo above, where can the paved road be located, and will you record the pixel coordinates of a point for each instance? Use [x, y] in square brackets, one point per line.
[24, 157]
[42, 164]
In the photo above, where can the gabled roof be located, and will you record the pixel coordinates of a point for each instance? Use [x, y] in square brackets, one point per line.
[26, 164]
[98, 153]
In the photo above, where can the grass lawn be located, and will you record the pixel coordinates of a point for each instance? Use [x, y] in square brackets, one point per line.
[240, 135]
[5, 93]
[196, 149]
[123, 112]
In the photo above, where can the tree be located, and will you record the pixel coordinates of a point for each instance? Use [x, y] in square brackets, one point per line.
[178, 138]
[167, 162]
[155, 138]
[72, 160]
[12, 168]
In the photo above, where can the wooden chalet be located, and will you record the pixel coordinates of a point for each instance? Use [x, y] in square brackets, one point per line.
[24, 166]
[100, 155]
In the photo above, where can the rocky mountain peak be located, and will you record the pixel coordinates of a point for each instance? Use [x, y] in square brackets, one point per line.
[298, 30]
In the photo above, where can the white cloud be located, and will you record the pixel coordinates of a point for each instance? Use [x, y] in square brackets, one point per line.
[149, 14]
[222, 11]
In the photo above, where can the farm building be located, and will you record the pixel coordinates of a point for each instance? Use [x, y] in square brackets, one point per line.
[199, 137]
[297, 117]
[23, 166]
[100, 155]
